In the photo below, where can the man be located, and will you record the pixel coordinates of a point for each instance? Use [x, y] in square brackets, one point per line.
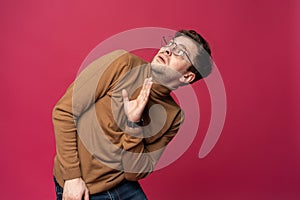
[115, 120]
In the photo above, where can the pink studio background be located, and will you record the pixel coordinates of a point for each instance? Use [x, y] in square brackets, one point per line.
[255, 45]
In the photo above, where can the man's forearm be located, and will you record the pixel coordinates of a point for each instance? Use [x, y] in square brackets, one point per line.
[66, 136]
[136, 160]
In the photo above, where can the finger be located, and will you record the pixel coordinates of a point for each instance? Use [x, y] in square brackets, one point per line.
[125, 96]
[64, 195]
[148, 88]
[145, 91]
[86, 195]
[149, 85]
[142, 92]
[146, 81]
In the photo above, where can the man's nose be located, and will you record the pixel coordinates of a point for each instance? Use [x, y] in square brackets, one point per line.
[168, 51]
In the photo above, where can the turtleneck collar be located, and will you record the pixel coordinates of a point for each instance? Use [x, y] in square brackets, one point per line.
[160, 90]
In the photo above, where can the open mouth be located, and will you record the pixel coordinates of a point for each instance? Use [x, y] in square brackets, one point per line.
[161, 59]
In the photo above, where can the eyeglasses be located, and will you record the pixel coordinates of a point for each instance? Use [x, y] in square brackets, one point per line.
[176, 49]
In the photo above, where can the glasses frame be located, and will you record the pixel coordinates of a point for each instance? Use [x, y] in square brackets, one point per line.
[175, 45]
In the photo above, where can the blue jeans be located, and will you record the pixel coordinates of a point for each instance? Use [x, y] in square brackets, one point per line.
[126, 190]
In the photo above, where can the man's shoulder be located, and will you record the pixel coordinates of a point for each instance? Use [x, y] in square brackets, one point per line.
[125, 56]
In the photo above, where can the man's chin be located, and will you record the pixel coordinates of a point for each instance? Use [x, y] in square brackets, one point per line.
[157, 64]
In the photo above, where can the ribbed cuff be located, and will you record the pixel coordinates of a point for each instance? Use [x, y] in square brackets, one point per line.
[71, 173]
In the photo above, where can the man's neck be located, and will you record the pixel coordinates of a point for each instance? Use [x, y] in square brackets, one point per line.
[161, 78]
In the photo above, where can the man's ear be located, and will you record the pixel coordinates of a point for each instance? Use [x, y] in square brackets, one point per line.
[187, 78]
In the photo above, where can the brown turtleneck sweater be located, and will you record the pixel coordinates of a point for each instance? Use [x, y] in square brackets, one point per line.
[92, 139]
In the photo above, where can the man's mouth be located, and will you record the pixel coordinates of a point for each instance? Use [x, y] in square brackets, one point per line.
[161, 59]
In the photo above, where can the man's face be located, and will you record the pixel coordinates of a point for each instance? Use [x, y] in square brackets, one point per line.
[173, 66]
[167, 58]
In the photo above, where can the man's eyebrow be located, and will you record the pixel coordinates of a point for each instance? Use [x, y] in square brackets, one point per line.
[184, 47]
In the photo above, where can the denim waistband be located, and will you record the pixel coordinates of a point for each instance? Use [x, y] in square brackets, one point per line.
[124, 190]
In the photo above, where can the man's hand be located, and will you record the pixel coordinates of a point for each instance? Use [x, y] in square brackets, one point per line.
[134, 108]
[74, 189]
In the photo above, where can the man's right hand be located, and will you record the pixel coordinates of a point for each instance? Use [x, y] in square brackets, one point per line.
[134, 108]
[75, 189]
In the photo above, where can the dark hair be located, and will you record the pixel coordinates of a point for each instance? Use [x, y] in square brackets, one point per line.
[202, 65]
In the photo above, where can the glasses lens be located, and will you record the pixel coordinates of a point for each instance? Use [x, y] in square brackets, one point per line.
[177, 49]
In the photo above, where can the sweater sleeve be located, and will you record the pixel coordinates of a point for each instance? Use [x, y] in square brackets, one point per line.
[140, 158]
[81, 94]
